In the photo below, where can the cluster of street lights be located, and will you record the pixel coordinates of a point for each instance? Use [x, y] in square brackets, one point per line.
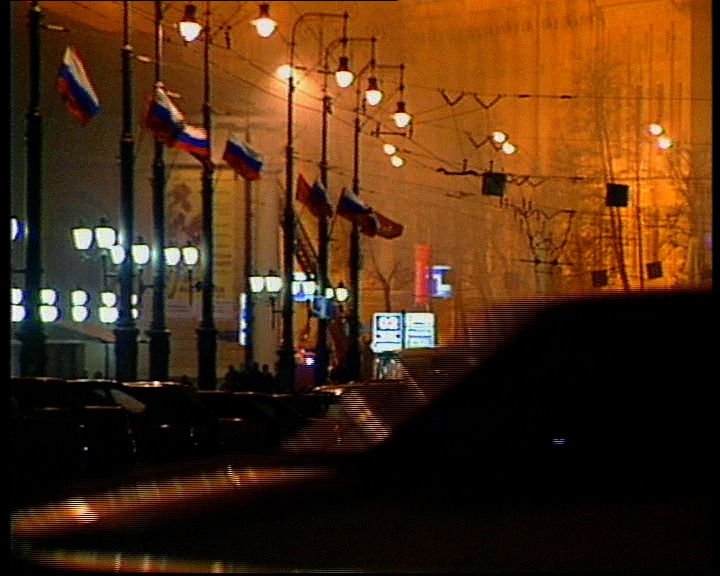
[102, 241]
[371, 96]
[104, 238]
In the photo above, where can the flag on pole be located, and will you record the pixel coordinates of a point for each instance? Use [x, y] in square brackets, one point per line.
[382, 226]
[193, 139]
[315, 197]
[163, 118]
[351, 207]
[76, 89]
[246, 162]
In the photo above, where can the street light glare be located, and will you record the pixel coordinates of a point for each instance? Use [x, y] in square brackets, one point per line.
[344, 76]
[509, 148]
[373, 95]
[656, 129]
[189, 27]
[401, 117]
[284, 72]
[264, 24]
[389, 149]
[665, 142]
[499, 137]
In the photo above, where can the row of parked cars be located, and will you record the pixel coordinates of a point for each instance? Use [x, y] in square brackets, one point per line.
[62, 427]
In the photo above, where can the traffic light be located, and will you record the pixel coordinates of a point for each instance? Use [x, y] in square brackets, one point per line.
[493, 183]
[617, 194]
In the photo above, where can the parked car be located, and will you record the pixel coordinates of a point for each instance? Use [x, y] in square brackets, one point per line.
[312, 404]
[569, 435]
[170, 422]
[251, 421]
[45, 448]
[104, 429]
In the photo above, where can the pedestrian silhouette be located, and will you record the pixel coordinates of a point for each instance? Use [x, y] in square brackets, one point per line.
[267, 379]
[253, 377]
[231, 380]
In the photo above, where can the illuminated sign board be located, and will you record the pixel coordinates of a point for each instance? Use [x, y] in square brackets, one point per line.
[419, 330]
[392, 331]
[440, 289]
[387, 332]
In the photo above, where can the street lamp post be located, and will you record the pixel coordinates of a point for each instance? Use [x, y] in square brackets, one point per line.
[206, 332]
[353, 353]
[286, 354]
[373, 96]
[33, 354]
[321, 371]
[158, 333]
[126, 345]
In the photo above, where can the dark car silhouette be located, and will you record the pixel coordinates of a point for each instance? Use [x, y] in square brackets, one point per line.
[251, 421]
[169, 421]
[564, 435]
[103, 429]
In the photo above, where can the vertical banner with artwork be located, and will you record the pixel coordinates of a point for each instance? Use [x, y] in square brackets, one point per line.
[422, 274]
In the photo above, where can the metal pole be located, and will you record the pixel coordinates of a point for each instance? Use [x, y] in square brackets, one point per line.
[249, 269]
[286, 354]
[321, 347]
[207, 333]
[353, 359]
[159, 334]
[33, 354]
[126, 345]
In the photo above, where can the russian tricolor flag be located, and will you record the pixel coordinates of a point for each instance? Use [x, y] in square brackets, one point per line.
[163, 118]
[314, 197]
[193, 139]
[351, 207]
[76, 89]
[246, 162]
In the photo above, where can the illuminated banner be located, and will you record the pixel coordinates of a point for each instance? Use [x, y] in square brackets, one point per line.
[422, 273]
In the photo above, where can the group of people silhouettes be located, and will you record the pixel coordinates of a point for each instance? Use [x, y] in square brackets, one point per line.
[252, 378]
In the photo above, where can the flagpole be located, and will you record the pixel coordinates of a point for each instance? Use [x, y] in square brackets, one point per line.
[158, 333]
[126, 345]
[249, 270]
[206, 332]
[325, 224]
[33, 353]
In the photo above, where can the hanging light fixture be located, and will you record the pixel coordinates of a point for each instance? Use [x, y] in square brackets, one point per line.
[344, 76]
[401, 117]
[189, 27]
[508, 148]
[264, 24]
[389, 149]
[373, 94]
